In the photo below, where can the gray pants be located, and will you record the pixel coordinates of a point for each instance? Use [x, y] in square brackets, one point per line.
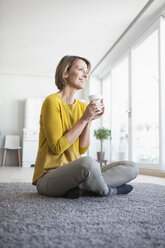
[87, 173]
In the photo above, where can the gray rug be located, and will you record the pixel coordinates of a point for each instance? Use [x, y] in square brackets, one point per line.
[135, 220]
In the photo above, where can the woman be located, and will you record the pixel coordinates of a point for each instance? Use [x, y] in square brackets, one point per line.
[64, 135]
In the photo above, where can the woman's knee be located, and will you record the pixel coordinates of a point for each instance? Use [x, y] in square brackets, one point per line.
[41, 186]
[134, 169]
[89, 163]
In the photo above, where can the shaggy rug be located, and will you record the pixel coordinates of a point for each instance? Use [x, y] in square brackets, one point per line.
[28, 220]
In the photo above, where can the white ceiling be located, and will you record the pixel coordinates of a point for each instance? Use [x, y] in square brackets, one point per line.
[35, 34]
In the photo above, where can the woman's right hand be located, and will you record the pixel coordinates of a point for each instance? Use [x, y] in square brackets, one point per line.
[92, 112]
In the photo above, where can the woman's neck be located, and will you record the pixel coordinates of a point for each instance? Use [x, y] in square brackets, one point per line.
[67, 95]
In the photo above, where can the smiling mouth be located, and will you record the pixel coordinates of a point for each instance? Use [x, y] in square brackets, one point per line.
[83, 80]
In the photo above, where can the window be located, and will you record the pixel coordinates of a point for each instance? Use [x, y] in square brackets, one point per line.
[119, 123]
[106, 119]
[145, 101]
[136, 103]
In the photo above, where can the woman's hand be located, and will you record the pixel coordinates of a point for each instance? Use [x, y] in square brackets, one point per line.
[92, 112]
[102, 109]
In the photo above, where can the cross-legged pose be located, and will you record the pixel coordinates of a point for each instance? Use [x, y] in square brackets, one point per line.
[64, 136]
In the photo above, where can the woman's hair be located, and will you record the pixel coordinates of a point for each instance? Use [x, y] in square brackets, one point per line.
[63, 66]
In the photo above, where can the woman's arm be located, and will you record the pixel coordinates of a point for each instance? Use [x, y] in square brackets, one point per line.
[51, 122]
[82, 127]
[52, 126]
[76, 130]
[84, 139]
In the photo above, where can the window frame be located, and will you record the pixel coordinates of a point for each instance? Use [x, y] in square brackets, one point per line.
[158, 25]
[155, 26]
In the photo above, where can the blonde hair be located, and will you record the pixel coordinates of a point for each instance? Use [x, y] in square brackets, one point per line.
[63, 66]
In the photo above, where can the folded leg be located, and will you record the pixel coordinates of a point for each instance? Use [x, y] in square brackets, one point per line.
[120, 172]
[85, 171]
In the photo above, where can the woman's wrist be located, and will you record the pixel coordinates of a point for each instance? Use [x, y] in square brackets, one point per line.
[89, 123]
[85, 120]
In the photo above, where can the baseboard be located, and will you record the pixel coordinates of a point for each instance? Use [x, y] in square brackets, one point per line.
[154, 173]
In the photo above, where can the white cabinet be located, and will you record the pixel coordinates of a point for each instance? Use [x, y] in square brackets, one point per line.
[31, 130]
[30, 147]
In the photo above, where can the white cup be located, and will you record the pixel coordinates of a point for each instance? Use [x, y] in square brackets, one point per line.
[98, 103]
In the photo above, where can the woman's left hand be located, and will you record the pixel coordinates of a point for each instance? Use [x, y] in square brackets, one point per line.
[100, 114]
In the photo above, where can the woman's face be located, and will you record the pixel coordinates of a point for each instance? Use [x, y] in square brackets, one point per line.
[77, 76]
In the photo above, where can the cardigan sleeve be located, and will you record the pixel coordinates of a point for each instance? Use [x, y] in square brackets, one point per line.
[82, 150]
[52, 125]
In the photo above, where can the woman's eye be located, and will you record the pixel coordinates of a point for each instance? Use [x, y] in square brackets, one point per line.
[81, 69]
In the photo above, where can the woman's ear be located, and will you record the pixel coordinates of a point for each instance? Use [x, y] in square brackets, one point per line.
[66, 75]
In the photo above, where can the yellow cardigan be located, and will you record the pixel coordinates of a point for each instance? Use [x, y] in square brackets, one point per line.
[57, 117]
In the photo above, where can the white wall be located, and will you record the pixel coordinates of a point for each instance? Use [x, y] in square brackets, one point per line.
[14, 89]
[27, 63]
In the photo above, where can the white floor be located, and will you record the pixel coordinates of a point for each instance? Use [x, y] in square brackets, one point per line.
[16, 174]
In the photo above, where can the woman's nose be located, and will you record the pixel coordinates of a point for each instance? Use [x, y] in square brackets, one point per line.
[85, 74]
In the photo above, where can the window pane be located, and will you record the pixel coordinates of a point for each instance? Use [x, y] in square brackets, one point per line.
[106, 91]
[95, 88]
[145, 101]
[119, 111]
